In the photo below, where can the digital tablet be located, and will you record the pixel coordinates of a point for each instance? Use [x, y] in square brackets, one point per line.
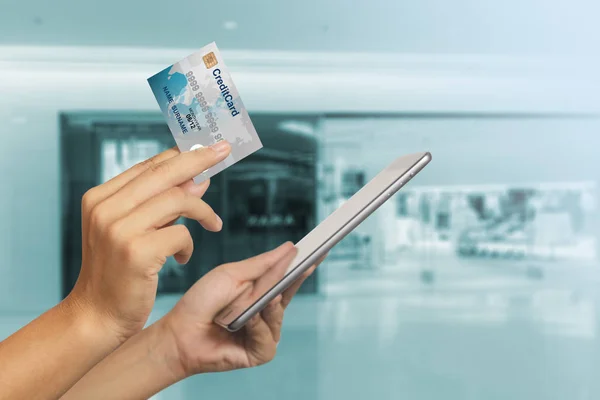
[322, 238]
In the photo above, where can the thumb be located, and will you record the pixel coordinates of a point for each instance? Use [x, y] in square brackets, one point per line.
[238, 282]
[253, 268]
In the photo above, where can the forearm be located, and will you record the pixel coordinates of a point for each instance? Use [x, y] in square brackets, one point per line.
[144, 365]
[46, 357]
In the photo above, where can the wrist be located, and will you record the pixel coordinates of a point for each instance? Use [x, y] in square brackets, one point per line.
[89, 323]
[141, 367]
[165, 350]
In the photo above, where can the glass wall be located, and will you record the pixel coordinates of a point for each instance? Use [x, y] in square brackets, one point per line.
[478, 280]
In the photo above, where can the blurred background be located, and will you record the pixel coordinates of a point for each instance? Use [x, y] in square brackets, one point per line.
[479, 280]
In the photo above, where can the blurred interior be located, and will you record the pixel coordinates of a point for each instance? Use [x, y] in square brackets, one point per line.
[478, 280]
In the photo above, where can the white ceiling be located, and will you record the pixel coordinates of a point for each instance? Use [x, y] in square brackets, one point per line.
[417, 26]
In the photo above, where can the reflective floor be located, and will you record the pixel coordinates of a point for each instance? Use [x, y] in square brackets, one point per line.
[463, 329]
[478, 330]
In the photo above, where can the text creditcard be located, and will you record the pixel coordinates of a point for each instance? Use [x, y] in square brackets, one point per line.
[202, 106]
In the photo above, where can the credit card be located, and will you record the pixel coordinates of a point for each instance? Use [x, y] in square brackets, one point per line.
[202, 106]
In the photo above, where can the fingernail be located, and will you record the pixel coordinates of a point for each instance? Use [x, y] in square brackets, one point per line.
[221, 146]
[220, 221]
[288, 244]
[202, 184]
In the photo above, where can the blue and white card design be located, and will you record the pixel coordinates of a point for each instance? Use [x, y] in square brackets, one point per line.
[202, 106]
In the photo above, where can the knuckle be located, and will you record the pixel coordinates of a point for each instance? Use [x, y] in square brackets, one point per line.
[143, 165]
[162, 168]
[177, 194]
[114, 231]
[99, 217]
[185, 232]
[89, 200]
[148, 162]
[187, 236]
[131, 251]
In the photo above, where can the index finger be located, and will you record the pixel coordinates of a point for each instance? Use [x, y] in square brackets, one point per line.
[114, 184]
[163, 176]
